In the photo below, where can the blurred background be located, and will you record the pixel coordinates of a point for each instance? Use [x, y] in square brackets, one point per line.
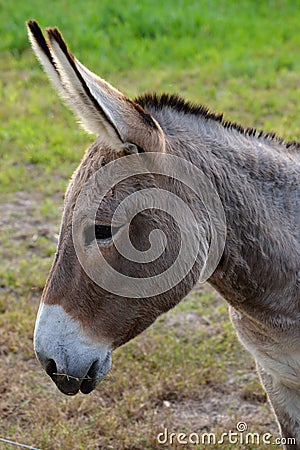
[187, 372]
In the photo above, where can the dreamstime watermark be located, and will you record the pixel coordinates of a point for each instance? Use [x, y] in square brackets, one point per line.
[192, 203]
[240, 435]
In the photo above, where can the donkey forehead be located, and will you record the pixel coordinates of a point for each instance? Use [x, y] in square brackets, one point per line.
[90, 177]
[96, 157]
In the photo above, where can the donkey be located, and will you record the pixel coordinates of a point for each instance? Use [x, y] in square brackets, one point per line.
[256, 177]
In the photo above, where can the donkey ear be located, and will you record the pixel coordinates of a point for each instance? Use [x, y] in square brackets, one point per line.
[101, 108]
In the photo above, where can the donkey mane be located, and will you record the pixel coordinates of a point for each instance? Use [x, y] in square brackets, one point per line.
[177, 103]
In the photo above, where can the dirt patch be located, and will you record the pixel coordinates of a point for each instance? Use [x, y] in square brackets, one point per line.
[22, 213]
[218, 409]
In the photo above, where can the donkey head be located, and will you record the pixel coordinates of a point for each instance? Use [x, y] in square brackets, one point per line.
[96, 298]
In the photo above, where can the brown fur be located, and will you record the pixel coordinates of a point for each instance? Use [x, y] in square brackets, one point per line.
[257, 177]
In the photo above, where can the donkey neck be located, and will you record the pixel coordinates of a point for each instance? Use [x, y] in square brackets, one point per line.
[257, 180]
[259, 188]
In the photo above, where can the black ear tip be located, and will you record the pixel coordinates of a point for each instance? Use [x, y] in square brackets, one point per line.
[31, 23]
[55, 33]
[33, 26]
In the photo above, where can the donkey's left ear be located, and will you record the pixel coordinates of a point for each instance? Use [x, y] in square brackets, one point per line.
[101, 108]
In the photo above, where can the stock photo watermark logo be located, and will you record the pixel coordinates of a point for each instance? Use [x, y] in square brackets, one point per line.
[238, 436]
[157, 182]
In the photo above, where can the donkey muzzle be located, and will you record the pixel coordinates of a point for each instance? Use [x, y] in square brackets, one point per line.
[71, 385]
[71, 358]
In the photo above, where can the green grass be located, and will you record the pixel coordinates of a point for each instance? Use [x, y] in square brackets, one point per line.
[240, 58]
[233, 57]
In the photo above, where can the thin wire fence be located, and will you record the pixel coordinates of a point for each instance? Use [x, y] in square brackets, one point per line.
[17, 444]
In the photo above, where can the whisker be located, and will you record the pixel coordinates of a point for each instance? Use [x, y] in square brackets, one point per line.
[71, 377]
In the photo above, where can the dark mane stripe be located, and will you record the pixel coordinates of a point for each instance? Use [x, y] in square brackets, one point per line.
[180, 105]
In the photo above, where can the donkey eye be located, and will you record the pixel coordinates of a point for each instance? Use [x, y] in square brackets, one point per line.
[103, 232]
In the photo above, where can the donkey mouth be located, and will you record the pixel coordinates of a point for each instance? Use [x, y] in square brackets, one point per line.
[71, 385]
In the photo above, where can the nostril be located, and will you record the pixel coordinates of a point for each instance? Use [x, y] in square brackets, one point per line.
[93, 370]
[90, 380]
[51, 368]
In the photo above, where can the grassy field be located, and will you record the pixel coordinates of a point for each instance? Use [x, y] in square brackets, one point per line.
[187, 372]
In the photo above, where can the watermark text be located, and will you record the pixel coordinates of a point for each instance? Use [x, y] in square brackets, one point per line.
[240, 435]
